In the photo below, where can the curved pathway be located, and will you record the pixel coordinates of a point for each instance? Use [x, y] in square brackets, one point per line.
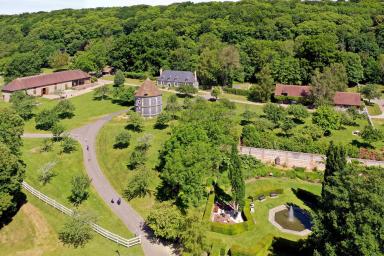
[86, 136]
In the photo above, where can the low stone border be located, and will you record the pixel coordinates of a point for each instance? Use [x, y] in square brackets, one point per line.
[271, 218]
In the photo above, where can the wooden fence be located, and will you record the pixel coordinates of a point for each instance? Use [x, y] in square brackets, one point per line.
[102, 231]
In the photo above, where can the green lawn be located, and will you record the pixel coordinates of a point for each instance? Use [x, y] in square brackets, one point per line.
[68, 166]
[113, 161]
[87, 110]
[262, 226]
[374, 109]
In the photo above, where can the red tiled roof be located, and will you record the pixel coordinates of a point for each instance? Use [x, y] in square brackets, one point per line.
[30, 82]
[347, 99]
[148, 89]
[292, 90]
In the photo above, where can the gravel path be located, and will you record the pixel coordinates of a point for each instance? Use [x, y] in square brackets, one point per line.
[86, 136]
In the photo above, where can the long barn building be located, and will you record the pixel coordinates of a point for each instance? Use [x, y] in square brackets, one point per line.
[40, 85]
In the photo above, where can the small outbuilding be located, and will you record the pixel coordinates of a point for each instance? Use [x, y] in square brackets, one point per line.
[148, 99]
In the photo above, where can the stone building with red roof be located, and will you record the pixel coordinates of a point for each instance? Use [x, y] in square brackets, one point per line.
[43, 84]
[341, 99]
[148, 99]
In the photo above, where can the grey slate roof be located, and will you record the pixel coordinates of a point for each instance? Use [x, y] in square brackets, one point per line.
[177, 76]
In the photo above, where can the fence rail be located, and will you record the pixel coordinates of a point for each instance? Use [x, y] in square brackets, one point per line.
[98, 229]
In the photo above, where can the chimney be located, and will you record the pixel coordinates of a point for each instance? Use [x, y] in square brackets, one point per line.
[195, 76]
[161, 71]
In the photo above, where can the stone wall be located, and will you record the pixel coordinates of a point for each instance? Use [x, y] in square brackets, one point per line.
[296, 159]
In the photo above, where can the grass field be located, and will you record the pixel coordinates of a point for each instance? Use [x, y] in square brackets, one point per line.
[262, 226]
[87, 110]
[114, 161]
[59, 188]
[374, 109]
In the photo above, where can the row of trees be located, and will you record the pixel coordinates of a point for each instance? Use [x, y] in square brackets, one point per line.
[222, 41]
[12, 168]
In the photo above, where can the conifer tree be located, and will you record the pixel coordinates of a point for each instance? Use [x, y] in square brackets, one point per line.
[237, 179]
[336, 162]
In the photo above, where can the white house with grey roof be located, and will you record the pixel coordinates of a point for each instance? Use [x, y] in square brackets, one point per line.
[175, 78]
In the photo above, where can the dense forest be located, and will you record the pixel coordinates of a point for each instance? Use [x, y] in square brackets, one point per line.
[224, 42]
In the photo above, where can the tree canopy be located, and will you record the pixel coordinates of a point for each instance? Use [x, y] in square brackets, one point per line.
[222, 41]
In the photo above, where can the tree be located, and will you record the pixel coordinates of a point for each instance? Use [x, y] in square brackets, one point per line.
[46, 173]
[162, 120]
[12, 172]
[237, 180]
[22, 64]
[122, 140]
[216, 91]
[64, 109]
[138, 185]
[274, 112]
[327, 118]
[101, 92]
[287, 125]
[187, 89]
[371, 134]
[193, 237]
[229, 59]
[165, 220]
[336, 161]
[247, 115]
[263, 91]
[47, 145]
[77, 231]
[370, 92]
[172, 106]
[325, 84]
[23, 104]
[79, 189]
[68, 144]
[59, 60]
[11, 129]
[119, 79]
[135, 121]
[46, 119]
[299, 112]
[287, 70]
[138, 155]
[124, 95]
[57, 130]
[349, 219]
[352, 64]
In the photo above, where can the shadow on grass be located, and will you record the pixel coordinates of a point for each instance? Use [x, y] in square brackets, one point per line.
[20, 199]
[361, 144]
[284, 247]
[308, 198]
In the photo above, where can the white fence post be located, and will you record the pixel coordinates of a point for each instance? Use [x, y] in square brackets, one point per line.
[102, 231]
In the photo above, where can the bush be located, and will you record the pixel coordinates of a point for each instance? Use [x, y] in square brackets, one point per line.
[46, 119]
[236, 91]
[136, 75]
[122, 140]
[68, 145]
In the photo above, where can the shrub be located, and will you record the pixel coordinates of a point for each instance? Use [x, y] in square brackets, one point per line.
[68, 145]
[64, 109]
[79, 190]
[236, 91]
[47, 145]
[227, 104]
[46, 119]
[122, 140]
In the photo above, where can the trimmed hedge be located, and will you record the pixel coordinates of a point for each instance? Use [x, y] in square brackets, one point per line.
[236, 91]
[261, 249]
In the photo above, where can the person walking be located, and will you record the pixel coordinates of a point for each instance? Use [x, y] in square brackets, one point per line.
[118, 201]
